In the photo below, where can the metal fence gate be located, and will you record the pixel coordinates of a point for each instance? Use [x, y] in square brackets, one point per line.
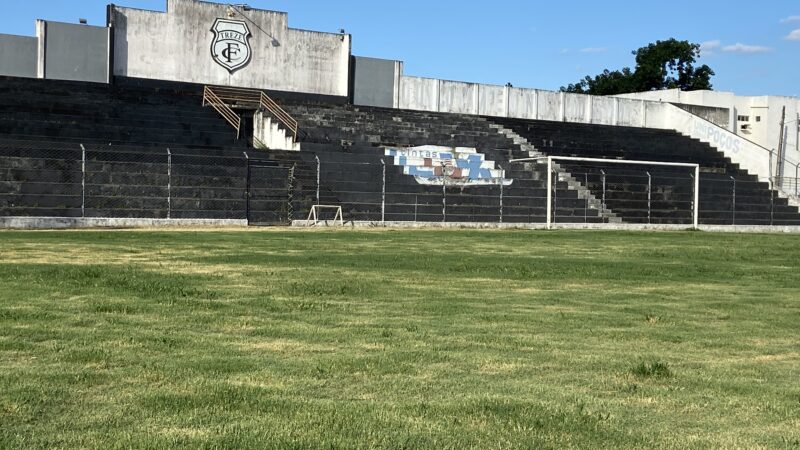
[269, 193]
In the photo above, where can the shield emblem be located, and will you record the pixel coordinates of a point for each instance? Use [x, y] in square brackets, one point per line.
[231, 45]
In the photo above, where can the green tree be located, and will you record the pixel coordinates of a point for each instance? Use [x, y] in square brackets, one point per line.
[666, 64]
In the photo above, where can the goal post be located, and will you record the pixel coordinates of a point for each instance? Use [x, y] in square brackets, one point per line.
[623, 162]
[314, 215]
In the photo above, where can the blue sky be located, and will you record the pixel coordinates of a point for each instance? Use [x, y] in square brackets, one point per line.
[753, 47]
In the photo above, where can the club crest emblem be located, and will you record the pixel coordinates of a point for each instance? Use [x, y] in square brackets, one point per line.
[231, 45]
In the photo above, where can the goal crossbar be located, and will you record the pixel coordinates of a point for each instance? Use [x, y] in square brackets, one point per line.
[550, 159]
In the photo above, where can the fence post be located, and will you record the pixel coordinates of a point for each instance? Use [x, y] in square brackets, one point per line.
[247, 188]
[83, 181]
[169, 184]
[696, 202]
[586, 203]
[733, 202]
[444, 195]
[290, 195]
[555, 197]
[383, 192]
[549, 192]
[603, 205]
[319, 166]
[416, 206]
[649, 198]
[796, 179]
[502, 192]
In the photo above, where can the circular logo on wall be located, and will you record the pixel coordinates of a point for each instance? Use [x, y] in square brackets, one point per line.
[231, 45]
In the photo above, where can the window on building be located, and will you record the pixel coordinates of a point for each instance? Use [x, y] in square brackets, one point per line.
[758, 118]
[744, 118]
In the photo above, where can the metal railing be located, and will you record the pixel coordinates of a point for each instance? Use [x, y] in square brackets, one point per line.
[211, 98]
[233, 97]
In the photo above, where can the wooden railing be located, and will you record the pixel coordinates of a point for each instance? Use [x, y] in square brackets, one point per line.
[210, 98]
[233, 97]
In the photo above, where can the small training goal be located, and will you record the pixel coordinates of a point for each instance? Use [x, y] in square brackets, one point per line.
[317, 215]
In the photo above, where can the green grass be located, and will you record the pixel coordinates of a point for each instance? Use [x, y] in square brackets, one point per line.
[398, 339]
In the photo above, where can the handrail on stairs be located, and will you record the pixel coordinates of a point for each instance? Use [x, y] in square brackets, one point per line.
[233, 97]
[212, 99]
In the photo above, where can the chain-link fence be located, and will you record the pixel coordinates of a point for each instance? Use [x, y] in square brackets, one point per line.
[90, 180]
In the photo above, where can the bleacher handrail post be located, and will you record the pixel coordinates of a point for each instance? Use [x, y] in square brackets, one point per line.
[247, 187]
[649, 198]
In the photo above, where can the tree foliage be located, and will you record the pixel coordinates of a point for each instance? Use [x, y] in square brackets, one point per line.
[666, 64]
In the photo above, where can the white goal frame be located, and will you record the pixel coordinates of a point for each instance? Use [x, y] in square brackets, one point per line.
[550, 159]
[314, 215]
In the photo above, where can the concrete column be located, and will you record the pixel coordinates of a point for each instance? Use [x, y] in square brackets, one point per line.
[438, 95]
[398, 77]
[507, 101]
[644, 114]
[41, 33]
[562, 107]
[477, 100]
[589, 108]
[615, 113]
[535, 104]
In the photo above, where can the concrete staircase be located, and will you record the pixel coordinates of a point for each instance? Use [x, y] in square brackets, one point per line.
[563, 175]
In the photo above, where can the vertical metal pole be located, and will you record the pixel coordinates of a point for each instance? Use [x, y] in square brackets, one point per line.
[733, 202]
[549, 192]
[83, 181]
[416, 206]
[247, 188]
[290, 196]
[319, 166]
[169, 184]
[502, 189]
[796, 179]
[603, 205]
[444, 195]
[649, 198]
[586, 203]
[555, 196]
[697, 197]
[383, 192]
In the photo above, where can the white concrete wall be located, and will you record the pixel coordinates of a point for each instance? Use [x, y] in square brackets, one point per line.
[650, 109]
[493, 100]
[176, 46]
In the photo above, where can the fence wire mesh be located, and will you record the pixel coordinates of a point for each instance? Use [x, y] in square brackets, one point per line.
[89, 180]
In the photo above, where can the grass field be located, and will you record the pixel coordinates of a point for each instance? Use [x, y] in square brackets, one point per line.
[398, 339]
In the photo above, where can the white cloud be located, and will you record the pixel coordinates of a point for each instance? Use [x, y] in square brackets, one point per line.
[744, 48]
[711, 45]
[791, 19]
[708, 48]
[594, 50]
[794, 35]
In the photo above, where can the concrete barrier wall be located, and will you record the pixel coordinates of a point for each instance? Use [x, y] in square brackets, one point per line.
[179, 46]
[421, 94]
[375, 81]
[76, 52]
[604, 110]
[493, 100]
[18, 56]
[459, 98]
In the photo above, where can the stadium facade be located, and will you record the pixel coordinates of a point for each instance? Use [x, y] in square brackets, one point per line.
[326, 95]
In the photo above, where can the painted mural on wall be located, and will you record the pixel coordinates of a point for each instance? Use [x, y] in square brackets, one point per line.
[461, 166]
[230, 47]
